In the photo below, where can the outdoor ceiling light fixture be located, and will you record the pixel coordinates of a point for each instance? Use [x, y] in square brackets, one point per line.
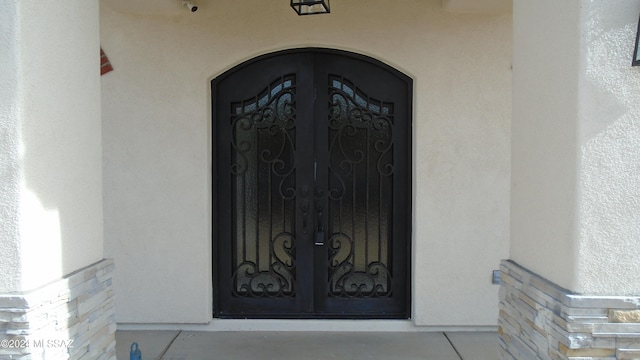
[310, 7]
[636, 56]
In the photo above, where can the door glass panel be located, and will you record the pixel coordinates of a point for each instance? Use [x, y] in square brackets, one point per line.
[360, 196]
[263, 192]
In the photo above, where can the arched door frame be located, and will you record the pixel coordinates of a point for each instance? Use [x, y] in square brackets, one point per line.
[406, 222]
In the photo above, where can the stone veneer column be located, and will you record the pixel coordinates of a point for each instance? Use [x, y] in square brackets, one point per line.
[71, 318]
[56, 297]
[540, 320]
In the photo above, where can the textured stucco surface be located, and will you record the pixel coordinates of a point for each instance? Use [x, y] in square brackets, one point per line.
[52, 197]
[609, 157]
[157, 136]
[576, 145]
[9, 147]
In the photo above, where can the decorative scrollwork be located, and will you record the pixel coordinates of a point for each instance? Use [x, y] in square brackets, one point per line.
[263, 170]
[357, 121]
[360, 171]
[341, 249]
[345, 281]
[374, 282]
[277, 281]
[272, 111]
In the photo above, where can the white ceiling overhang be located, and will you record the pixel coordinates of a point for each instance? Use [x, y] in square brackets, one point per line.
[478, 6]
[147, 7]
[155, 7]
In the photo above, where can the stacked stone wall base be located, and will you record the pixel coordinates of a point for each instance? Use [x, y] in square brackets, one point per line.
[72, 318]
[540, 320]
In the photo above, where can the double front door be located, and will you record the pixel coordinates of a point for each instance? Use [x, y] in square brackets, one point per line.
[312, 164]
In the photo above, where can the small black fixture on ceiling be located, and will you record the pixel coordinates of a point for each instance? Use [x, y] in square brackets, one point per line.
[636, 55]
[191, 6]
[310, 7]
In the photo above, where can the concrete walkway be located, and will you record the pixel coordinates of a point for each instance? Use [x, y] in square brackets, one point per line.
[196, 345]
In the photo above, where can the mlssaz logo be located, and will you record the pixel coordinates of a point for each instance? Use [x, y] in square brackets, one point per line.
[59, 343]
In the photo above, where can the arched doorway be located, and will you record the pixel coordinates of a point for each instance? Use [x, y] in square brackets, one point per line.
[313, 187]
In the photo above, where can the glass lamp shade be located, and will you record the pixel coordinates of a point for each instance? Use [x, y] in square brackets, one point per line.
[310, 7]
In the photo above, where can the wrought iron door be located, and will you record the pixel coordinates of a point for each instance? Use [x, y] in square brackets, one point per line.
[312, 187]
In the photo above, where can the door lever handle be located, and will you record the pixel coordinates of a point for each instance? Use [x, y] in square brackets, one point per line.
[304, 208]
[319, 237]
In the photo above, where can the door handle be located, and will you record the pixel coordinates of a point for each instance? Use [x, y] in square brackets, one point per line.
[304, 206]
[319, 236]
[304, 209]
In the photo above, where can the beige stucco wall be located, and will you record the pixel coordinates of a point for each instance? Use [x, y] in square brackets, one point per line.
[576, 144]
[544, 143]
[51, 192]
[157, 136]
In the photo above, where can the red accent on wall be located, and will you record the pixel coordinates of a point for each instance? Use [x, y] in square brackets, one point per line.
[105, 65]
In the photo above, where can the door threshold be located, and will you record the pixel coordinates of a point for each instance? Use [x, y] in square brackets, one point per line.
[304, 325]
